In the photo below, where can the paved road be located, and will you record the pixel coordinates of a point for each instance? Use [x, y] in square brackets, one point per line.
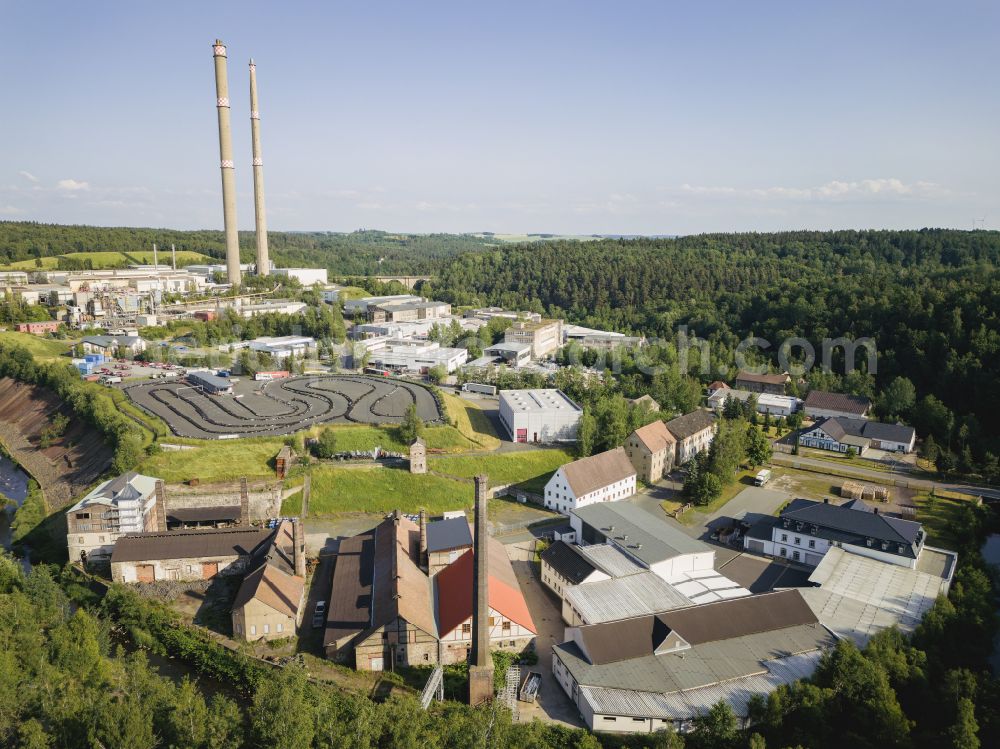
[553, 705]
[867, 473]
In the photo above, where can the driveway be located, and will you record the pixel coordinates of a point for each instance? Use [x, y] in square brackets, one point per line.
[552, 705]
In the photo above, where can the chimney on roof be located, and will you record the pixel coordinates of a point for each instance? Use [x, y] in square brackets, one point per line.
[299, 542]
[244, 502]
[161, 506]
[481, 667]
[423, 539]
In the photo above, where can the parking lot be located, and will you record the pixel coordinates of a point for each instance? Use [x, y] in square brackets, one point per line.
[283, 406]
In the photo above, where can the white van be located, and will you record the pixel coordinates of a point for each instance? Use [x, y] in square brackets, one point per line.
[110, 380]
[763, 476]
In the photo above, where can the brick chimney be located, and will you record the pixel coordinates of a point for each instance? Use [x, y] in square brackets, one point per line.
[423, 539]
[481, 665]
[299, 542]
[244, 502]
[161, 507]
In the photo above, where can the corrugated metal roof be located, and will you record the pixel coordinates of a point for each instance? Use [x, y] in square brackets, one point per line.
[685, 705]
[859, 596]
[609, 559]
[620, 598]
[648, 538]
[208, 542]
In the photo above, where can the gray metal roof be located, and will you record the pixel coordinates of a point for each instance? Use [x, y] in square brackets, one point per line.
[452, 533]
[609, 559]
[859, 596]
[210, 380]
[568, 562]
[641, 535]
[692, 703]
[623, 597]
[708, 664]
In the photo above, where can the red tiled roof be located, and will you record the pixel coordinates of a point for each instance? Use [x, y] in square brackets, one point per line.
[454, 591]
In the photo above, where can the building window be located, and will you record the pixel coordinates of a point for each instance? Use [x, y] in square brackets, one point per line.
[784, 537]
[784, 552]
[280, 627]
[427, 656]
[467, 628]
[795, 555]
[267, 629]
[492, 621]
[505, 627]
[812, 543]
[81, 539]
[253, 629]
[798, 541]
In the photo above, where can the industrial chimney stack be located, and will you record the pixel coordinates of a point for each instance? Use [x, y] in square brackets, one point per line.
[260, 217]
[481, 667]
[226, 164]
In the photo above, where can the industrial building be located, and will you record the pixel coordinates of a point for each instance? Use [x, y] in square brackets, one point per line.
[664, 670]
[819, 404]
[446, 540]
[649, 541]
[767, 403]
[277, 347]
[857, 596]
[511, 354]
[544, 336]
[125, 504]
[605, 477]
[544, 415]
[184, 555]
[209, 383]
[305, 276]
[415, 356]
[269, 603]
[385, 610]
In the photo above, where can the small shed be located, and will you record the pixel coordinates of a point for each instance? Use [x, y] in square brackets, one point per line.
[418, 456]
[283, 461]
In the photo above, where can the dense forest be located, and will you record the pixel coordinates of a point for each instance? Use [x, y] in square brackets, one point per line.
[930, 299]
[344, 254]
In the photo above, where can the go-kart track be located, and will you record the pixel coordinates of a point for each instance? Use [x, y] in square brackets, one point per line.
[282, 406]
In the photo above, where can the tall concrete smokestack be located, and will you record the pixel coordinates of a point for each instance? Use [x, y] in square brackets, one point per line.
[173, 257]
[481, 667]
[155, 262]
[226, 164]
[260, 217]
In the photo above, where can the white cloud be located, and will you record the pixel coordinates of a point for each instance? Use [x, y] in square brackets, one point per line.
[10, 210]
[885, 187]
[28, 176]
[72, 185]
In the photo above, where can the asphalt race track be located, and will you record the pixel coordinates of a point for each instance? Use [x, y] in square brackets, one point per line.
[282, 406]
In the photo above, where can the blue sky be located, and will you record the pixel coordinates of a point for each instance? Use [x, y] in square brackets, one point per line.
[570, 117]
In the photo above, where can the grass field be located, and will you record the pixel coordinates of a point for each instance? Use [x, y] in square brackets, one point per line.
[223, 460]
[471, 422]
[352, 292]
[47, 263]
[184, 257]
[376, 489]
[939, 515]
[504, 468]
[43, 349]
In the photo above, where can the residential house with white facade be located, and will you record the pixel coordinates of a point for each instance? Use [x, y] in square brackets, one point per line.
[605, 477]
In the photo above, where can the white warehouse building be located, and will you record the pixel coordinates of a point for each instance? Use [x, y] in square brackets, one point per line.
[543, 415]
